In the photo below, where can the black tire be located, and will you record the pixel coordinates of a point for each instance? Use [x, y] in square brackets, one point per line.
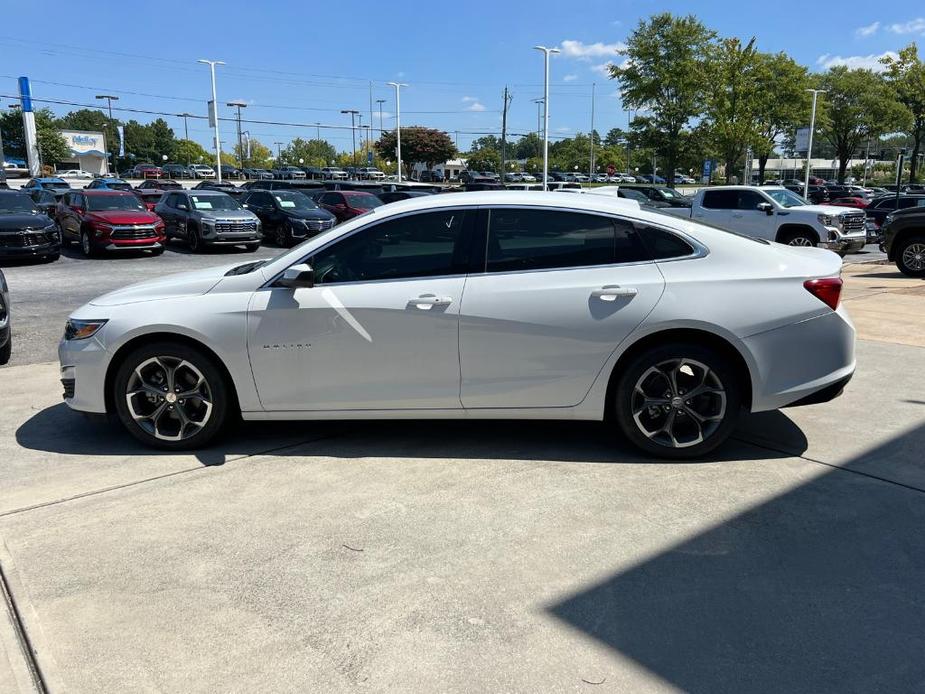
[51, 257]
[910, 256]
[799, 237]
[157, 251]
[719, 406]
[251, 247]
[86, 245]
[193, 434]
[284, 234]
[6, 351]
[193, 239]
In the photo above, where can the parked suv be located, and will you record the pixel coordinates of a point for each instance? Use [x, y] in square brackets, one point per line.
[370, 173]
[177, 171]
[288, 216]
[208, 218]
[56, 185]
[146, 171]
[902, 238]
[880, 207]
[25, 231]
[287, 173]
[661, 194]
[346, 204]
[202, 171]
[331, 173]
[109, 220]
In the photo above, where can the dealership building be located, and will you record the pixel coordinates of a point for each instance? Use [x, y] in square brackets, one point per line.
[88, 152]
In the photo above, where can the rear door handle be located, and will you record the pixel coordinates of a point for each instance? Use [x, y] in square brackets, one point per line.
[611, 292]
[425, 302]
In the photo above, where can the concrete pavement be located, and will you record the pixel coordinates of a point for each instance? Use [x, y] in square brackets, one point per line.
[461, 556]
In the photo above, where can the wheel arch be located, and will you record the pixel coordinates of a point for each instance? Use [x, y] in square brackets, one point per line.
[902, 235]
[786, 229]
[139, 340]
[690, 335]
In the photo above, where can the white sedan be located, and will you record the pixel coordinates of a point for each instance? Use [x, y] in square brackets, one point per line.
[75, 173]
[485, 305]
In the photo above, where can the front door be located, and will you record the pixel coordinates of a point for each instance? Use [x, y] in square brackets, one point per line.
[379, 330]
[559, 293]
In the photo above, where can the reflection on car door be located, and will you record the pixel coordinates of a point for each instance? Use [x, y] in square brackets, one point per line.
[379, 330]
[559, 293]
[748, 219]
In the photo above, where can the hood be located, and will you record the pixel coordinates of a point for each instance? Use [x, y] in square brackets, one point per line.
[310, 214]
[227, 214]
[827, 209]
[193, 283]
[124, 217]
[23, 222]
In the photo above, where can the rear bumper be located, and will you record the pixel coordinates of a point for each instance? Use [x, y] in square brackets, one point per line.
[802, 361]
[830, 392]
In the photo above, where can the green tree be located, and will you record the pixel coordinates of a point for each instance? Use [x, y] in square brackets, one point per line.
[615, 137]
[94, 121]
[149, 143]
[530, 145]
[664, 73]
[483, 160]
[312, 152]
[732, 83]
[906, 76]
[261, 157]
[418, 144]
[781, 103]
[52, 146]
[190, 152]
[857, 104]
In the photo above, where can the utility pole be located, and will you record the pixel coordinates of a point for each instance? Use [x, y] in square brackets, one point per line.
[539, 125]
[279, 154]
[109, 98]
[866, 161]
[317, 131]
[546, 53]
[353, 132]
[213, 116]
[370, 116]
[398, 86]
[3, 183]
[809, 150]
[380, 102]
[591, 166]
[507, 101]
[184, 116]
[900, 162]
[239, 105]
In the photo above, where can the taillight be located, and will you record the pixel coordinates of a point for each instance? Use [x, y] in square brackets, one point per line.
[827, 290]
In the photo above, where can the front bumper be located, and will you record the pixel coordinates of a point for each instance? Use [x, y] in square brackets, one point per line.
[32, 251]
[792, 363]
[83, 366]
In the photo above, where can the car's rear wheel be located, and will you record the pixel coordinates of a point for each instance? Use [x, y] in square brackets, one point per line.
[799, 237]
[677, 401]
[6, 351]
[910, 256]
[171, 395]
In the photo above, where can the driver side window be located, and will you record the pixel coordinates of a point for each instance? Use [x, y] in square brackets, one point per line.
[430, 244]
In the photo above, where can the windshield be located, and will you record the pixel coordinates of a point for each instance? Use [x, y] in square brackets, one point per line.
[293, 200]
[119, 186]
[671, 194]
[633, 195]
[59, 184]
[364, 201]
[214, 202]
[170, 185]
[786, 198]
[105, 203]
[16, 204]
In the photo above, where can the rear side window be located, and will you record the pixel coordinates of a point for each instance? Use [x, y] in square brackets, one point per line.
[663, 245]
[536, 239]
[721, 199]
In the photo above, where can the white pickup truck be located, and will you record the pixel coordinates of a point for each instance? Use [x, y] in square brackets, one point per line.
[777, 214]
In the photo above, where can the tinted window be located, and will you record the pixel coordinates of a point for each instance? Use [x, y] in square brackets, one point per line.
[534, 239]
[111, 203]
[906, 203]
[662, 244]
[721, 199]
[422, 245]
[749, 200]
[18, 203]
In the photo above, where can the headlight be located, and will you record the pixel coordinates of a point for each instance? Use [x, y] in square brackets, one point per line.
[888, 218]
[50, 227]
[81, 329]
[825, 219]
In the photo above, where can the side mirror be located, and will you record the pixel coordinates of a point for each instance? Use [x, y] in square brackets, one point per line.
[766, 207]
[297, 276]
[182, 206]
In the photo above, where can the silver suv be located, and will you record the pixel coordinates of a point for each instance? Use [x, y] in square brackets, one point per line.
[208, 218]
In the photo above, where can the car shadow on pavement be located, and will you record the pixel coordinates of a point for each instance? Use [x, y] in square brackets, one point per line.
[57, 429]
[818, 589]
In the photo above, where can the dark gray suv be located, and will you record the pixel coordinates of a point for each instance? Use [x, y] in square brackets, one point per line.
[208, 218]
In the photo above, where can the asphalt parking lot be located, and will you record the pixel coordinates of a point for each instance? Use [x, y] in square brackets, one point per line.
[463, 556]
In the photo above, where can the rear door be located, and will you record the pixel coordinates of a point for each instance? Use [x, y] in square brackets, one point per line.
[749, 220]
[717, 207]
[557, 292]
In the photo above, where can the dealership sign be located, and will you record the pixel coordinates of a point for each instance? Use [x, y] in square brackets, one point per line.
[84, 143]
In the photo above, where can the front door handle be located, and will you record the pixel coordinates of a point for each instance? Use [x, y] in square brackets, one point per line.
[425, 302]
[611, 292]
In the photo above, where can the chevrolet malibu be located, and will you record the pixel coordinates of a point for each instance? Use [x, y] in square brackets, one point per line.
[487, 305]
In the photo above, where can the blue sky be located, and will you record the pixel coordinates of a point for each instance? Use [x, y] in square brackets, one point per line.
[300, 62]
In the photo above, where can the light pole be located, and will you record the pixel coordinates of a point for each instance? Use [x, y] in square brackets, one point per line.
[809, 147]
[546, 53]
[398, 86]
[279, 154]
[353, 134]
[214, 117]
[539, 124]
[317, 130]
[109, 98]
[184, 116]
[238, 104]
[380, 102]
[591, 167]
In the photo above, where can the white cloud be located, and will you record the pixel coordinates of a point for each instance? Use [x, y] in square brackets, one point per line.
[475, 106]
[586, 51]
[869, 30]
[913, 26]
[570, 78]
[603, 69]
[468, 99]
[854, 62]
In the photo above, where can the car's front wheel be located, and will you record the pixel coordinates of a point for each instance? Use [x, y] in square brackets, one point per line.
[677, 401]
[910, 256]
[171, 395]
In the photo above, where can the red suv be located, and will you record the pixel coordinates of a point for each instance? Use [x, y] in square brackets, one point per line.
[108, 220]
[146, 171]
[347, 204]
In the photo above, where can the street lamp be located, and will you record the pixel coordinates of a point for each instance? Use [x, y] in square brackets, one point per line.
[214, 117]
[398, 86]
[238, 104]
[184, 116]
[380, 102]
[279, 154]
[809, 148]
[353, 134]
[110, 98]
[546, 53]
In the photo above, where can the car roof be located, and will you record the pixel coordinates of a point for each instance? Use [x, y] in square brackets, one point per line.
[49, 179]
[202, 191]
[14, 192]
[103, 191]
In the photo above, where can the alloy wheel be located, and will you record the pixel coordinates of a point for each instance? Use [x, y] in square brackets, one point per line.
[85, 243]
[800, 241]
[678, 403]
[169, 398]
[192, 237]
[914, 257]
